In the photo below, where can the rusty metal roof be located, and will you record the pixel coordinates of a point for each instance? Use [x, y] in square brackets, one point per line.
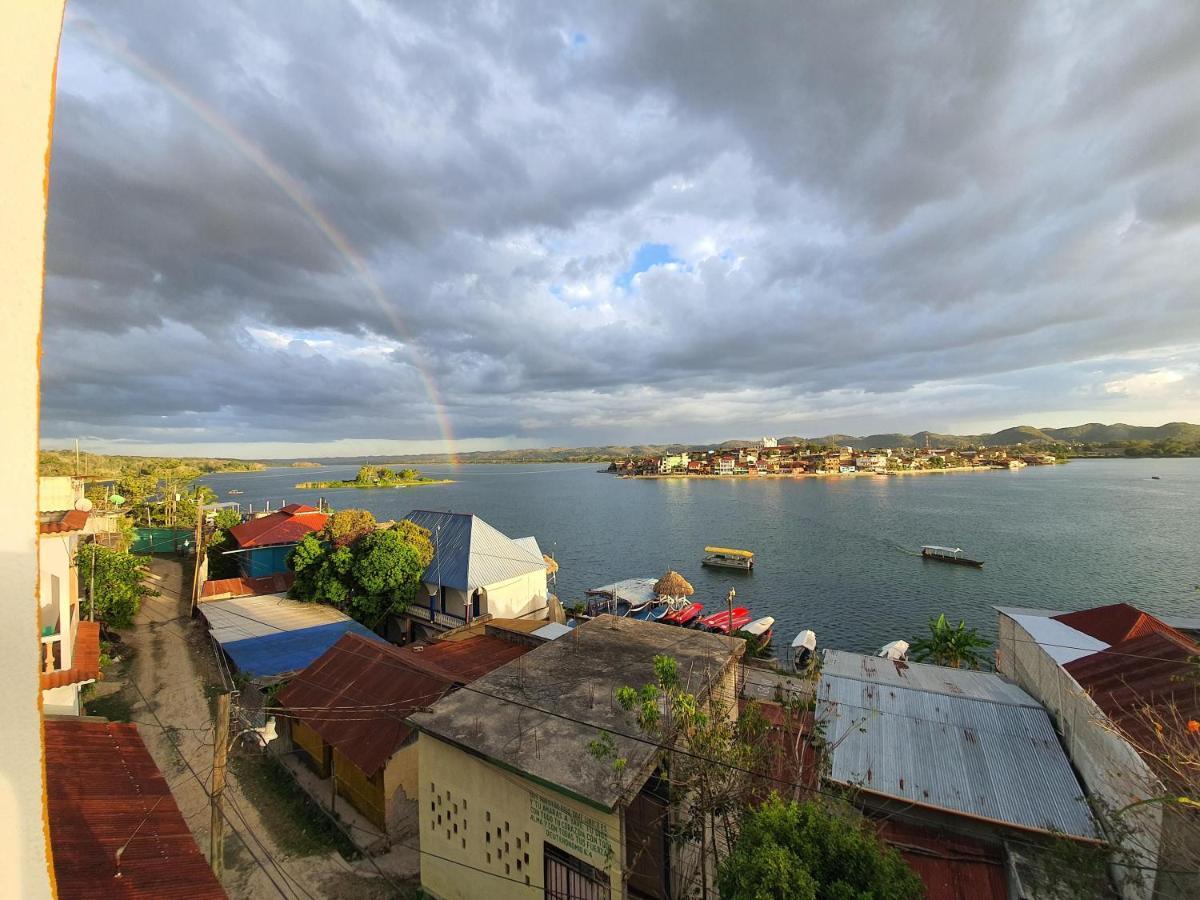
[1151, 670]
[1114, 623]
[357, 695]
[287, 526]
[951, 867]
[104, 791]
[279, 583]
[462, 661]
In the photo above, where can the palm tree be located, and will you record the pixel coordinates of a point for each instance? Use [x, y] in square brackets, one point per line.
[952, 646]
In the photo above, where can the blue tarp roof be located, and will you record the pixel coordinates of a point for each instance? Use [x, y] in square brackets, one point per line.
[278, 654]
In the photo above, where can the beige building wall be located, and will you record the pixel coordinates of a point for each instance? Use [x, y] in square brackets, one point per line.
[1109, 767]
[400, 785]
[484, 828]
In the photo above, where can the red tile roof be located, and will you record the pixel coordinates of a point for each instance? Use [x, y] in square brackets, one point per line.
[286, 526]
[1152, 670]
[72, 520]
[357, 695]
[462, 661]
[85, 661]
[951, 867]
[225, 588]
[104, 791]
[1113, 624]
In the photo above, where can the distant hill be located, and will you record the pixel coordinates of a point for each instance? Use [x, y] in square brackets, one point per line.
[1095, 433]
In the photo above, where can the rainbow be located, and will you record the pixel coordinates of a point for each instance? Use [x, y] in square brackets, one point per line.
[293, 191]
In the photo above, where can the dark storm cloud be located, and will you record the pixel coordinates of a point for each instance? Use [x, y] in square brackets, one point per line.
[282, 221]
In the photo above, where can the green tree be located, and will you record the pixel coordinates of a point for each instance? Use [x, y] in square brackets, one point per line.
[116, 585]
[949, 645]
[221, 563]
[346, 526]
[227, 518]
[417, 538]
[814, 850]
[387, 574]
[367, 475]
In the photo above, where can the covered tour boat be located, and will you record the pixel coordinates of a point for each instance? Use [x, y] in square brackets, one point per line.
[760, 630]
[728, 558]
[949, 555]
[804, 645]
[896, 650]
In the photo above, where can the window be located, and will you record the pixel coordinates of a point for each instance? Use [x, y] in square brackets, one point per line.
[568, 878]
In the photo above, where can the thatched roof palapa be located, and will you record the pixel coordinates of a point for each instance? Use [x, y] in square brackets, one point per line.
[673, 585]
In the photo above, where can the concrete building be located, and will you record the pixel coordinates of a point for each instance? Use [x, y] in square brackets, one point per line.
[263, 544]
[1094, 669]
[476, 572]
[675, 462]
[509, 789]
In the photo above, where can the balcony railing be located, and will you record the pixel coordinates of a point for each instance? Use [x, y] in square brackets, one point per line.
[51, 652]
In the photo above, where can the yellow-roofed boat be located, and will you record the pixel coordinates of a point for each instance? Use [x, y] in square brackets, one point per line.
[728, 558]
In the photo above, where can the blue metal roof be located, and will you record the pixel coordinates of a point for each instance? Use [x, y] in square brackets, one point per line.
[469, 553]
[272, 655]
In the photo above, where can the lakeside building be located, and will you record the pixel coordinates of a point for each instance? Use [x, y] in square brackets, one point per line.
[512, 803]
[477, 572]
[264, 542]
[1106, 675]
[331, 710]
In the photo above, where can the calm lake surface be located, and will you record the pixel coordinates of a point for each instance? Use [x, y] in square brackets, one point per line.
[838, 555]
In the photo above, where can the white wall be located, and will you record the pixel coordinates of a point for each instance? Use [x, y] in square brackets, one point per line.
[516, 597]
[1109, 767]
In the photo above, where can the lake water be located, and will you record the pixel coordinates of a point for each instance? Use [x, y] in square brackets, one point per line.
[838, 555]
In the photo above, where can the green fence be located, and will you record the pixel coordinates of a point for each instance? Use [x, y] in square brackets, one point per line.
[160, 540]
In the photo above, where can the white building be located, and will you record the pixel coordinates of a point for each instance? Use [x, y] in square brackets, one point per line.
[770, 442]
[477, 571]
[70, 647]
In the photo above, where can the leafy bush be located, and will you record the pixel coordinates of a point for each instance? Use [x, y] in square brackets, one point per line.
[117, 588]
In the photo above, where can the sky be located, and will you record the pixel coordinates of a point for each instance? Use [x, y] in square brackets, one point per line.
[287, 229]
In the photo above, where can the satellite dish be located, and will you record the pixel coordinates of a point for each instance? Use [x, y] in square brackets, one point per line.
[83, 504]
[116, 499]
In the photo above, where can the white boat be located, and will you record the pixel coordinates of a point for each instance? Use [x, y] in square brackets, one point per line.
[760, 629]
[804, 645]
[897, 650]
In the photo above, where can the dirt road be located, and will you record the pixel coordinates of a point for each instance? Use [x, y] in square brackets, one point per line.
[276, 844]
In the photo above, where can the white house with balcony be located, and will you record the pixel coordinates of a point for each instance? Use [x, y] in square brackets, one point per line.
[70, 646]
[477, 572]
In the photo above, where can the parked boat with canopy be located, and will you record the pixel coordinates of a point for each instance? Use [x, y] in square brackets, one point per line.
[729, 558]
[953, 555]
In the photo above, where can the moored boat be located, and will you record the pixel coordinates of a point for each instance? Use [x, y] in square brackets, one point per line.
[724, 622]
[949, 555]
[685, 614]
[728, 558]
[804, 645]
[760, 630]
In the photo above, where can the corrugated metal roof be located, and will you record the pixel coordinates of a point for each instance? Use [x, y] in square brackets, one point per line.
[279, 583]
[330, 694]
[462, 661]
[951, 867]
[1062, 642]
[922, 677]
[287, 526]
[268, 636]
[1113, 623]
[246, 617]
[104, 790]
[1152, 670]
[984, 750]
[469, 553]
[634, 591]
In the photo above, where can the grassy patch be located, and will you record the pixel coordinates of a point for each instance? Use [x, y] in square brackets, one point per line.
[114, 707]
[295, 821]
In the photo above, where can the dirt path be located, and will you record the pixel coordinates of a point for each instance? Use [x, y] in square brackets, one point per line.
[169, 681]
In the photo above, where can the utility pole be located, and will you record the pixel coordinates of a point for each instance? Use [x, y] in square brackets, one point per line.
[216, 834]
[199, 549]
[92, 584]
[729, 622]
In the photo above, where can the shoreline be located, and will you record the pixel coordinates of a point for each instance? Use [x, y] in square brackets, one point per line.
[680, 475]
[342, 485]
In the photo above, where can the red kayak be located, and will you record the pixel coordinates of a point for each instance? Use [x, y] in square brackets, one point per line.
[685, 615]
[721, 621]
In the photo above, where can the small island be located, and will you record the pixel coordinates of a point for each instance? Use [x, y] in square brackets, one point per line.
[376, 477]
[304, 464]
